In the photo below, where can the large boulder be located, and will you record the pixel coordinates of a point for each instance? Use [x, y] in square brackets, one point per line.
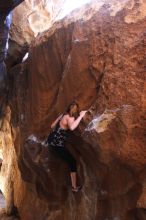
[30, 18]
[96, 57]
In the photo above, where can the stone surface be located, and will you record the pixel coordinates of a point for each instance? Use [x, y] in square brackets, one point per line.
[4, 216]
[9, 169]
[5, 130]
[97, 58]
[30, 18]
[2, 201]
[5, 22]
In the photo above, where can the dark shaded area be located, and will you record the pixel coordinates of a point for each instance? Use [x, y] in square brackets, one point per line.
[5, 23]
[7, 5]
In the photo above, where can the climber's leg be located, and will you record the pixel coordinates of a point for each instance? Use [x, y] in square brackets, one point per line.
[64, 154]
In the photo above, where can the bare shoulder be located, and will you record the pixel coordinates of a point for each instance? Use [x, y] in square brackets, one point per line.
[68, 118]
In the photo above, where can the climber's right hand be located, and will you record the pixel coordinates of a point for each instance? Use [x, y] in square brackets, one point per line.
[82, 113]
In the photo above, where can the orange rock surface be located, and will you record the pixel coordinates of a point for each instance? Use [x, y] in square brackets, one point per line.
[98, 59]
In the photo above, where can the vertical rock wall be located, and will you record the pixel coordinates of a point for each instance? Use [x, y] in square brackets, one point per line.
[97, 58]
[7, 152]
[5, 21]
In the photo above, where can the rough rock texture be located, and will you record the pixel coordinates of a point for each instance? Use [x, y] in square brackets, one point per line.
[29, 19]
[6, 142]
[99, 60]
[9, 168]
[5, 22]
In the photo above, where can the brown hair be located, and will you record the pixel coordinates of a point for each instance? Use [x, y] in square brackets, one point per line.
[73, 109]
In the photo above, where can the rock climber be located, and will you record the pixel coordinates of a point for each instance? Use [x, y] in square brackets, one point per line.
[57, 138]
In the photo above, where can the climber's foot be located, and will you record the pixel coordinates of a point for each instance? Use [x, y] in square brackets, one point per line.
[76, 189]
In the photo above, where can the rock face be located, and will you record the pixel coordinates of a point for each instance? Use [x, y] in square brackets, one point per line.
[29, 19]
[5, 22]
[5, 128]
[97, 58]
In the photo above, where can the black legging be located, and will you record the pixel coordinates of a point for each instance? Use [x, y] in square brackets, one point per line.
[64, 154]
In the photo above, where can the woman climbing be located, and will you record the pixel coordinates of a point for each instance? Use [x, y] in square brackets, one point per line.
[56, 140]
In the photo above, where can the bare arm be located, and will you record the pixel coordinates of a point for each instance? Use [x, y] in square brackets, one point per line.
[73, 124]
[56, 121]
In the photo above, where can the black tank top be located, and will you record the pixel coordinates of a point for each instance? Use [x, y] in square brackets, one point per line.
[58, 136]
